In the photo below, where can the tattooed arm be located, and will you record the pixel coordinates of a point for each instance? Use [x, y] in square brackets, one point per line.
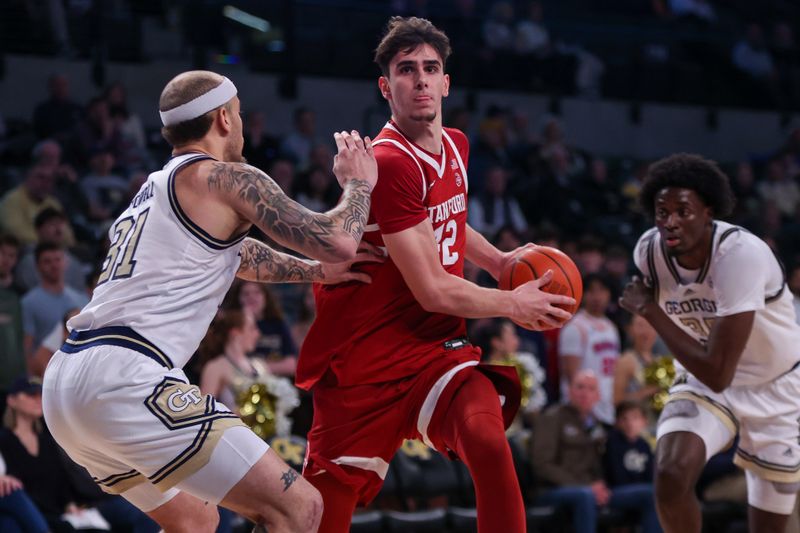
[330, 236]
[264, 264]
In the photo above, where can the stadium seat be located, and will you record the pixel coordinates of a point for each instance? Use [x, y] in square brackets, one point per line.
[431, 521]
[367, 522]
[463, 519]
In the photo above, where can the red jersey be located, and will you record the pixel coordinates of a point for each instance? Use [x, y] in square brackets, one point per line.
[377, 332]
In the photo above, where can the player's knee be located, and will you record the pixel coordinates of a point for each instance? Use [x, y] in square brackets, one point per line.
[673, 477]
[304, 513]
[204, 518]
[483, 433]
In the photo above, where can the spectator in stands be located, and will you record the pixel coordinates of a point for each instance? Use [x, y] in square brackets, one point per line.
[105, 191]
[18, 513]
[567, 459]
[96, 131]
[531, 37]
[57, 116]
[133, 141]
[629, 378]
[780, 189]
[260, 148]
[19, 207]
[786, 54]
[752, 56]
[50, 345]
[305, 316]
[226, 366]
[794, 286]
[47, 153]
[57, 485]
[498, 33]
[591, 254]
[275, 342]
[590, 341]
[628, 458]
[317, 189]
[51, 225]
[698, 9]
[496, 207]
[282, 172]
[45, 305]
[12, 355]
[748, 201]
[297, 145]
[490, 150]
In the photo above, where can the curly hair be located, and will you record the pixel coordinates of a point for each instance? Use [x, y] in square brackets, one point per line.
[689, 171]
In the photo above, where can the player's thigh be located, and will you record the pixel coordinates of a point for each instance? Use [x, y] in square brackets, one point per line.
[185, 513]
[273, 492]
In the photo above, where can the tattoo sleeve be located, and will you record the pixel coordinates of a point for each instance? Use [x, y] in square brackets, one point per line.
[264, 264]
[262, 201]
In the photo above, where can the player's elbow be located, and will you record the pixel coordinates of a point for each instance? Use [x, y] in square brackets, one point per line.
[430, 301]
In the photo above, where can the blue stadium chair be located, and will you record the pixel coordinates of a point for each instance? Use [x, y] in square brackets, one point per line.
[367, 522]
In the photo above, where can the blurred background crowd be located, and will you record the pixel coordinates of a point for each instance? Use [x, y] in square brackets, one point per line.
[72, 162]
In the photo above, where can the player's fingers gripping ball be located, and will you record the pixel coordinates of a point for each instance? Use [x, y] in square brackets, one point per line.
[532, 263]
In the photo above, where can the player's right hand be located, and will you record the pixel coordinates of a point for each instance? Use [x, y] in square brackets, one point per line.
[536, 309]
[354, 159]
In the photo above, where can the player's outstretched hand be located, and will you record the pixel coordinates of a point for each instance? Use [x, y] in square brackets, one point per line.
[636, 296]
[536, 309]
[341, 272]
[354, 159]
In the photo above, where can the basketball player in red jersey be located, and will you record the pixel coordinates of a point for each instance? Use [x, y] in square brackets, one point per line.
[390, 360]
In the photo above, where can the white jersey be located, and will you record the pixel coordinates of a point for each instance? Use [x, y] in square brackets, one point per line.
[596, 341]
[742, 274]
[163, 279]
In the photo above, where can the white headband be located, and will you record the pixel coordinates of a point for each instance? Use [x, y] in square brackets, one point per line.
[201, 105]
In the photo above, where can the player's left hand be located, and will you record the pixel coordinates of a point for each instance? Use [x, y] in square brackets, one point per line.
[636, 296]
[341, 272]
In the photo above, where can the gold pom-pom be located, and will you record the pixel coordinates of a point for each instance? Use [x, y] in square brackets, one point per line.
[257, 409]
[660, 372]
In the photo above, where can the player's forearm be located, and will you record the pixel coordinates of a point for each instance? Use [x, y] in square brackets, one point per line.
[262, 263]
[690, 353]
[483, 253]
[350, 216]
[456, 296]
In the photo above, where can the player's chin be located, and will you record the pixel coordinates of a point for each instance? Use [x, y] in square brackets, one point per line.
[424, 117]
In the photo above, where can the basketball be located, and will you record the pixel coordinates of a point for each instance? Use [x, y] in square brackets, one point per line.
[532, 264]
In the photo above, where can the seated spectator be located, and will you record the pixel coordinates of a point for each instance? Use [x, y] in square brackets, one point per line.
[18, 513]
[44, 306]
[275, 341]
[498, 35]
[297, 145]
[531, 36]
[50, 345]
[128, 124]
[698, 9]
[282, 172]
[53, 481]
[317, 189]
[226, 367]
[629, 380]
[97, 130]
[12, 355]
[496, 207]
[105, 191]
[51, 226]
[751, 54]
[780, 189]
[628, 458]
[260, 148]
[58, 115]
[567, 459]
[19, 207]
[590, 341]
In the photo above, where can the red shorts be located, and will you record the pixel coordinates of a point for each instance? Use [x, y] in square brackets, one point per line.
[357, 430]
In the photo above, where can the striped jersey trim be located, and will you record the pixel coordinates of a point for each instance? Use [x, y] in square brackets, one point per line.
[407, 151]
[707, 265]
[121, 336]
[183, 218]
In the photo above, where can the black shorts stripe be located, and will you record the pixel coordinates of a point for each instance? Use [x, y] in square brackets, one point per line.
[121, 336]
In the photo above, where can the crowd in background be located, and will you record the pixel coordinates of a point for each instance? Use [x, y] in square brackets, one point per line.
[67, 172]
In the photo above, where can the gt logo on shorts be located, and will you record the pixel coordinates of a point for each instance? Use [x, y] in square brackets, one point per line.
[179, 400]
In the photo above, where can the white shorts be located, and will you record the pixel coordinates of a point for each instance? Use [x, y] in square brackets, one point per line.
[130, 420]
[766, 417]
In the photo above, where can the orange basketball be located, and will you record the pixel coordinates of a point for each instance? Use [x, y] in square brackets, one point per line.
[532, 264]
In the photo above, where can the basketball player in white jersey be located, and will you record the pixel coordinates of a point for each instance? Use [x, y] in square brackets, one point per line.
[115, 397]
[717, 296]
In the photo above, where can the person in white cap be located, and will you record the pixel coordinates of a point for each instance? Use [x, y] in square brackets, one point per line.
[115, 396]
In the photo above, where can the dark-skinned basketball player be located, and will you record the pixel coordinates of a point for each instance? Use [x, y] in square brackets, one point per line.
[393, 362]
[717, 296]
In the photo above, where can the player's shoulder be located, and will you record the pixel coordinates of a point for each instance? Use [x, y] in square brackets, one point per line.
[648, 237]
[736, 242]
[458, 136]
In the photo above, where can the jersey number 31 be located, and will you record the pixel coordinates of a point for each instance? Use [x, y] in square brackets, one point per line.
[124, 240]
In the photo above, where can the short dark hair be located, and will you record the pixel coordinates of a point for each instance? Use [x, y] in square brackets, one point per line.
[44, 247]
[6, 239]
[46, 215]
[180, 90]
[406, 34]
[689, 171]
[628, 405]
[597, 277]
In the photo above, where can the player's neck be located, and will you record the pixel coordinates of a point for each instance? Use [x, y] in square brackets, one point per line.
[201, 148]
[425, 134]
[54, 287]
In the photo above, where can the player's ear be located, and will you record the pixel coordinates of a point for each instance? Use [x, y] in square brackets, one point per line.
[446, 91]
[383, 85]
[224, 118]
